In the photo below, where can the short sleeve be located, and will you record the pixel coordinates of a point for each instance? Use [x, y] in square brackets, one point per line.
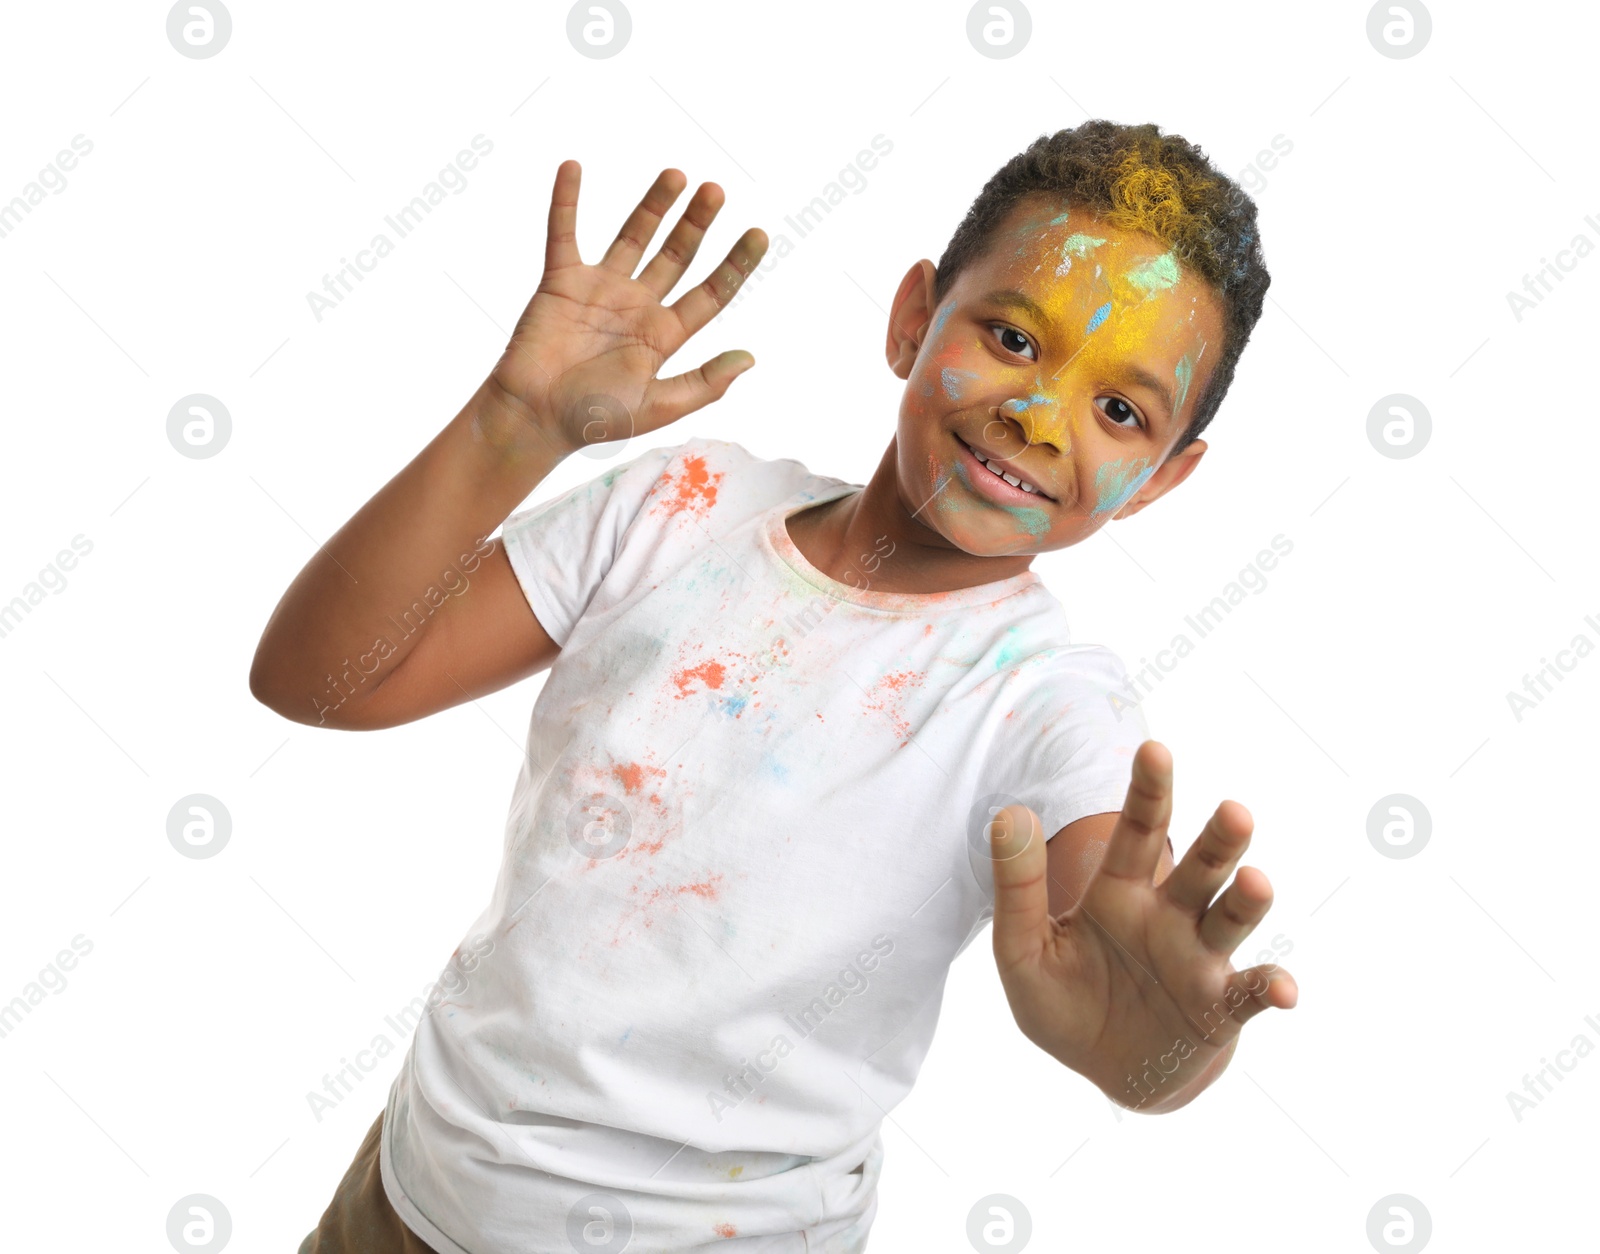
[562, 549]
[1067, 744]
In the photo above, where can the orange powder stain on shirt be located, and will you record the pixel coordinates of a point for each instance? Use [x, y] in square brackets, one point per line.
[725, 1230]
[692, 492]
[631, 775]
[707, 889]
[709, 673]
[889, 696]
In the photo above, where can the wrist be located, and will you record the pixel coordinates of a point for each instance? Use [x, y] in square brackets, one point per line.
[512, 430]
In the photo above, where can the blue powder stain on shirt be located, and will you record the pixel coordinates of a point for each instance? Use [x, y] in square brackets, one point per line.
[776, 769]
[1096, 318]
[1009, 651]
[626, 1035]
[733, 706]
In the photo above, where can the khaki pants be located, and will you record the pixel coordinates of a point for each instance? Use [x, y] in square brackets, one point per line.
[360, 1220]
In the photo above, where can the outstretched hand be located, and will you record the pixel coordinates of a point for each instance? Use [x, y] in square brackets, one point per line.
[581, 365]
[1132, 987]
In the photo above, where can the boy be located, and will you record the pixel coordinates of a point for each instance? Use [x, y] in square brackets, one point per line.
[800, 740]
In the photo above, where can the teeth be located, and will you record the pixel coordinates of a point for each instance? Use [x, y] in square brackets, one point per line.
[1011, 479]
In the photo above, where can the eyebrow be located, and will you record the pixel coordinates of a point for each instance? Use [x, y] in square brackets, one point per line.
[1137, 374]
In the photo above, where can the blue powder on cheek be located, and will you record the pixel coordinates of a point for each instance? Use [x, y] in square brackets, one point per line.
[950, 377]
[1034, 521]
[1099, 316]
[1111, 481]
[944, 315]
[1184, 372]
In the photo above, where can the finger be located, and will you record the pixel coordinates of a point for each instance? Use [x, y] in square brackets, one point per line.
[1255, 989]
[662, 272]
[667, 400]
[1205, 867]
[1235, 914]
[697, 307]
[1140, 832]
[1021, 884]
[561, 236]
[637, 231]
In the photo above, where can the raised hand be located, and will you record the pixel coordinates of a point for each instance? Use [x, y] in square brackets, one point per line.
[1132, 987]
[581, 365]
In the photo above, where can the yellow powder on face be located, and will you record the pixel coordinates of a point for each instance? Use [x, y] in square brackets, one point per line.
[1119, 300]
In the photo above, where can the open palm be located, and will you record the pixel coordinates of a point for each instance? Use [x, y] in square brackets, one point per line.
[1132, 987]
[581, 365]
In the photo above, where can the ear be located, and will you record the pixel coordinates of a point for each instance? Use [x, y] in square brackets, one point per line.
[1171, 473]
[909, 317]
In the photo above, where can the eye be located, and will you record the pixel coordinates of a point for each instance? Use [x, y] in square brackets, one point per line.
[1015, 334]
[1122, 409]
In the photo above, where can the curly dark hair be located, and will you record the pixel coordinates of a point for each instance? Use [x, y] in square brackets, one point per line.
[1137, 178]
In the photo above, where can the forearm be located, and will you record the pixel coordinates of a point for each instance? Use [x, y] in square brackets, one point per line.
[332, 639]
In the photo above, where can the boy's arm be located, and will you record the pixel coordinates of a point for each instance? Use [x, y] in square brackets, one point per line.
[1132, 986]
[586, 350]
[332, 645]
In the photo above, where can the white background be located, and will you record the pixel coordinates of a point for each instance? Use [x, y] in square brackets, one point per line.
[1377, 659]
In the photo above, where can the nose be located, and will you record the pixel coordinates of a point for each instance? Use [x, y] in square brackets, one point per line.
[1029, 417]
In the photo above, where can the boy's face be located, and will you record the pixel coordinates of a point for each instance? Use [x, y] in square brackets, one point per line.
[1071, 354]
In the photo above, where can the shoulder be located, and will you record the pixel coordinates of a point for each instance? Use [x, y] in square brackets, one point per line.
[707, 477]
[1084, 686]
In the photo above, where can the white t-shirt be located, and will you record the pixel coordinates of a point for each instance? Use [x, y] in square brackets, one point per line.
[746, 843]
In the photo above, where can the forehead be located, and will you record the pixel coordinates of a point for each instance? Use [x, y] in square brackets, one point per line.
[1066, 258]
[1041, 229]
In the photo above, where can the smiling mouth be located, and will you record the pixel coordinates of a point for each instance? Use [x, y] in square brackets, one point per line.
[1004, 481]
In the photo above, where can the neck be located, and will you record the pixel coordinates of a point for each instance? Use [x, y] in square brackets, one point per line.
[876, 539]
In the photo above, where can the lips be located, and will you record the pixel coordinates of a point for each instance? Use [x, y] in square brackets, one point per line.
[993, 482]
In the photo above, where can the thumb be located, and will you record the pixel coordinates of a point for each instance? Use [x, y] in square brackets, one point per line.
[1021, 883]
[670, 399]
